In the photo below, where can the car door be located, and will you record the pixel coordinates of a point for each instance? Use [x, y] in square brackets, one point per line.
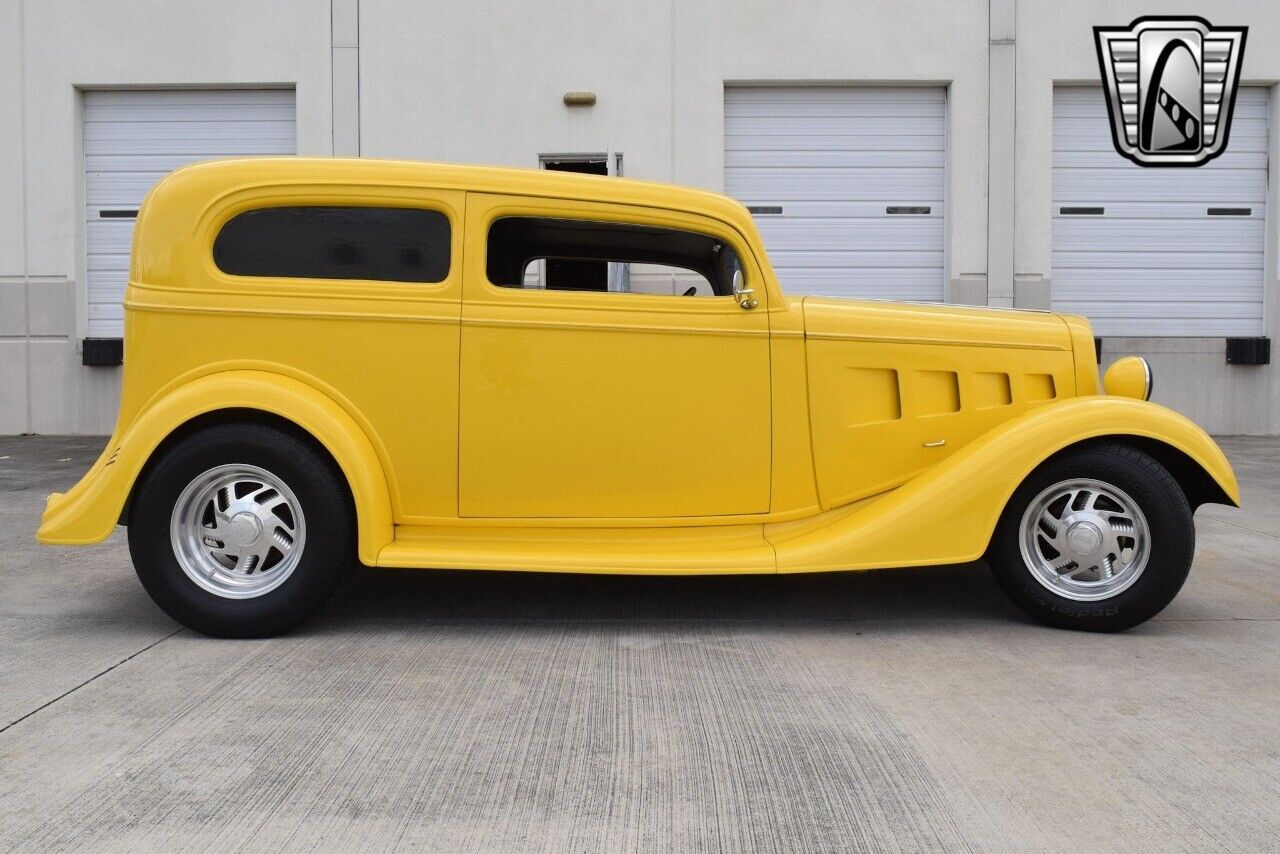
[579, 400]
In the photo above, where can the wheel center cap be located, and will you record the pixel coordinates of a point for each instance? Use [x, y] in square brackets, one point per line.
[1084, 538]
[244, 528]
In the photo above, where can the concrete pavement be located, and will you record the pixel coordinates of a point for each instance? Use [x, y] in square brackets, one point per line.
[897, 710]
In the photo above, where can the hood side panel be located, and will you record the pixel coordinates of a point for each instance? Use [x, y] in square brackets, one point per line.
[896, 389]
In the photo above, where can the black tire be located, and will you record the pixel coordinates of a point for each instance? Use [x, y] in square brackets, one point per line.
[327, 553]
[1172, 537]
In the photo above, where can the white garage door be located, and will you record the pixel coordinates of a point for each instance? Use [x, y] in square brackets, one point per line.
[133, 139]
[1158, 251]
[846, 184]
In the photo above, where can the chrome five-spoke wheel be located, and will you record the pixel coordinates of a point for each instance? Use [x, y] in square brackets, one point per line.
[237, 531]
[1085, 540]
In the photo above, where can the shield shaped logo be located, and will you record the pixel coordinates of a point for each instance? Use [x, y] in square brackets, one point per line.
[1171, 86]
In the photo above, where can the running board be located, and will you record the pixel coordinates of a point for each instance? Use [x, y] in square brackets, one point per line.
[710, 550]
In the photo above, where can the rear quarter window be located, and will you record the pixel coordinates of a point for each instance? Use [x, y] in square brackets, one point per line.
[379, 243]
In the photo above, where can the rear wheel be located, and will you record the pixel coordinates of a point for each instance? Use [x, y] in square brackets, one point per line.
[1099, 538]
[241, 530]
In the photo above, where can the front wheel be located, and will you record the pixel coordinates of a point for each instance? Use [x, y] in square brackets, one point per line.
[241, 530]
[1100, 539]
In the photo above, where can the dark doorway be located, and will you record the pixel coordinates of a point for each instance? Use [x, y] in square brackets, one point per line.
[566, 275]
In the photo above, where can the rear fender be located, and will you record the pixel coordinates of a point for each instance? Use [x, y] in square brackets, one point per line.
[88, 512]
[948, 514]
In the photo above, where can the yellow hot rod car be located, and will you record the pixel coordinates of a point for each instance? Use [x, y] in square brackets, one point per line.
[420, 365]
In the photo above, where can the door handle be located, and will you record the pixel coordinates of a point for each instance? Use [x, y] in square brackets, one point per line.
[938, 444]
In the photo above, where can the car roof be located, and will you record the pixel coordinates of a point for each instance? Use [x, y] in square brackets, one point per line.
[180, 205]
[216, 176]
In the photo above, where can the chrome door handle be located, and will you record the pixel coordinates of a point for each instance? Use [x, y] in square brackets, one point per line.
[937, 444]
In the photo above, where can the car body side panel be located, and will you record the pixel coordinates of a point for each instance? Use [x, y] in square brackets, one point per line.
[581, 404]
[89, 511]
[794, 487]
[896, 389]
[948, 513]
[1082, 346]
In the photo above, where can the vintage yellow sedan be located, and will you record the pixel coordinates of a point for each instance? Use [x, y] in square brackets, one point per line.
[413, 365]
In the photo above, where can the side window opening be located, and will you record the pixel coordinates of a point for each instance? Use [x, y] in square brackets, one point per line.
[640, 259]
[326, 242]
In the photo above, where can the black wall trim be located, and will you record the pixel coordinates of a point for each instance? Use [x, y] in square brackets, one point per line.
[1082, 211]
[764, 209]
[1230, 211]
[117, 214]
[1248, 351]
[102, 352]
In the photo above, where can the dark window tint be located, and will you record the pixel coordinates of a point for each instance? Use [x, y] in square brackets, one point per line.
[577, 253]
[388, 244]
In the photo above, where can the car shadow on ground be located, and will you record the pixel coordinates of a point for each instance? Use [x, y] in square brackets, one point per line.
[914, 595]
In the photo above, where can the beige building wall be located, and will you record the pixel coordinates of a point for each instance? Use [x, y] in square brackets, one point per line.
[483, 82]
[55, 49]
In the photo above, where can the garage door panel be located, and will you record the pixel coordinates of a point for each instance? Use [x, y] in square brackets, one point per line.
[877, 174]
[841, 142]
[850, 209]
[1113, 185]
[1160, 285]
[852, 259]
[1164, 328]
[1139, 260]
[196, 97]
[1169, 210]
[853, 234]
[164, 162]
[1157, 262]
[1137, 183]
[1196, 236]
[106, 262]
[204, 149]
[132, 139]
[841, 125]
[104, 314]
[1140, 324]
[1080, 101]
[1082, 133]
[746, 95]
[240, 110]
[108, 235]
[869, 283]
[835, 160]
[780, 111]
[1129, 309]
[104, 302]
[149, 131]
[1232, 159]
[112, 188]
[874, 186]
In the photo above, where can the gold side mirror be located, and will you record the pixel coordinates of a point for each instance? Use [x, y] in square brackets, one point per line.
[745, 296]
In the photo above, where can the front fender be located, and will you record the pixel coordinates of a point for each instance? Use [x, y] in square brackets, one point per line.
[948, 513]
[88, 512]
